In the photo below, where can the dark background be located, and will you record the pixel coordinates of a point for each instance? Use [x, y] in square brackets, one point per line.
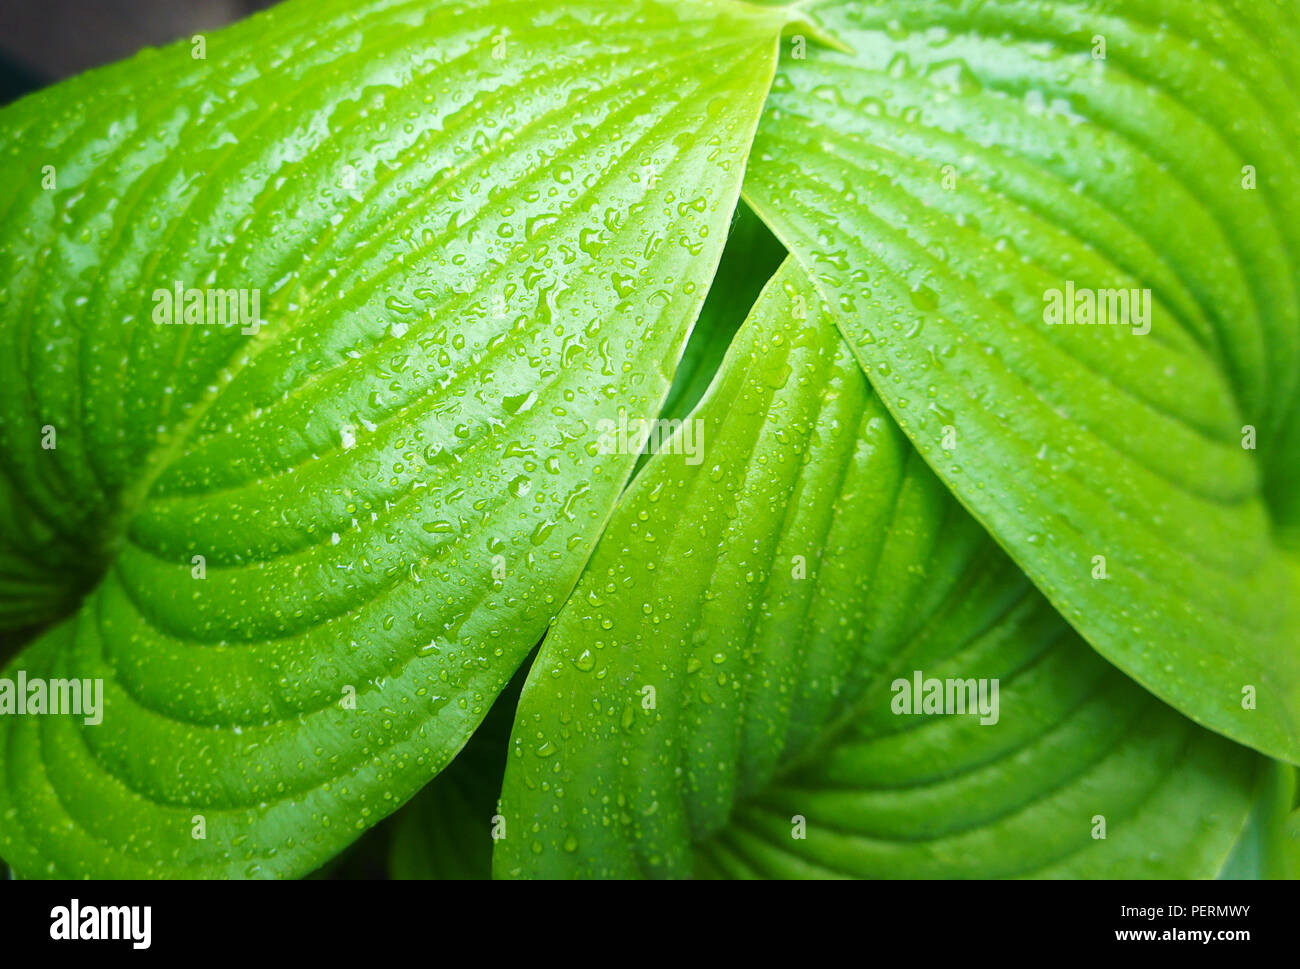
[42, 41]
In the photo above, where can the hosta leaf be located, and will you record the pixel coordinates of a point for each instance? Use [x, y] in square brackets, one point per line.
[725, 668]
[751, 256]
[446, 831]
[1262, 850]
[949, 182]
[1291, 845]
[478, 229]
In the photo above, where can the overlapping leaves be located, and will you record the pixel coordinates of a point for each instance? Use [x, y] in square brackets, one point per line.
[980, 157]
[305, 559]
[319, 550]
[718, 695]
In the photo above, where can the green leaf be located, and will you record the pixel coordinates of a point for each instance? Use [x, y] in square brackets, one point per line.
[478, 229]
[1262, 850]
[727, 666]
[446, 831]
[750, 258]
[1291, 846]
[950, 180]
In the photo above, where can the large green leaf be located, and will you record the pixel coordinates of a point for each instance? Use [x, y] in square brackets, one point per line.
[478, 229]
[978, 156]
[1291, 846]
[751, 256]
[447, 830]
[1264, 850]
[726, 666]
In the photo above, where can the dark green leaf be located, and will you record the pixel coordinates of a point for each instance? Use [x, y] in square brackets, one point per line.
[948, 184]
[718, 696]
